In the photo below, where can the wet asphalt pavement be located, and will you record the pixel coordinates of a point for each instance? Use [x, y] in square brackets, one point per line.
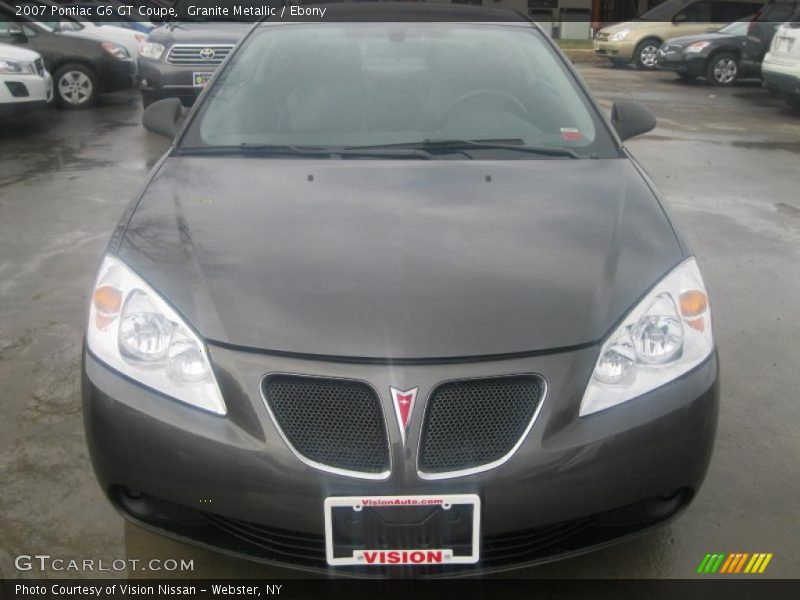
[728, 162]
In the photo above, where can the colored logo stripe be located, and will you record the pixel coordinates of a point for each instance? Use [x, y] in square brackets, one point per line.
[741, 562]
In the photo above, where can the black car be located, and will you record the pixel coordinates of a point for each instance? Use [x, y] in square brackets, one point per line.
[82, 67]
[398, 294]
[179, 58]
[762, 29]
[714, 56]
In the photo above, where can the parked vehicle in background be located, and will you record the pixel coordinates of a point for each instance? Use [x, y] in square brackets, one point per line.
[178, 59]
[82, 67]
[638, 41]
[105, 32]
[762, 29]
[25, 84]
[714, 56]
[781, 66]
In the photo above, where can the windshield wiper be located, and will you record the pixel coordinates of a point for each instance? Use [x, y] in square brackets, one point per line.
[307, 151]
[456, 145]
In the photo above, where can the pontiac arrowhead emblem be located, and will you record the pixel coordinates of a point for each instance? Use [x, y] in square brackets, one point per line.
[403, 402]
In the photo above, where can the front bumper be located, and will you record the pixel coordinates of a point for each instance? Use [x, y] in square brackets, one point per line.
[159, 80]
[694, 64]
[614, 50]
[34, 92]
[221, 481]
[117, 75]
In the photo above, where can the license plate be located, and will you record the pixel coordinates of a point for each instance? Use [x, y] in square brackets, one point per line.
[380, 531]
[201, 79]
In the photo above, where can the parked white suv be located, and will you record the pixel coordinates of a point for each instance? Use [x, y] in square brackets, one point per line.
[25, 85]
[781, 67]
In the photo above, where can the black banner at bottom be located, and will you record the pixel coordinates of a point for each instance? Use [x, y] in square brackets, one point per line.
[490, 589]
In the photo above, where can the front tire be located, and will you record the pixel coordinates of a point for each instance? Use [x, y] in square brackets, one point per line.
[646, 54]
[76, 86]
[723, 69]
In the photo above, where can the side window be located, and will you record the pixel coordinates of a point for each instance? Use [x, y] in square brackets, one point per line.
[778, 12]
[699, 12]
[727, 12]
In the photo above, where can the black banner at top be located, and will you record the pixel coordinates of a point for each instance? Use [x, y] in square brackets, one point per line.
[252, 11]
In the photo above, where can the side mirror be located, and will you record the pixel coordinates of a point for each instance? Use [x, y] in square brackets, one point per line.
[631, 119]
[679, 18]
[15, 31]
[164, 117]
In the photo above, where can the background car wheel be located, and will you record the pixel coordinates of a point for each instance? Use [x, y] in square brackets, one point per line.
[76, 86]
[793, 100]
[723, 69]
[646, 53]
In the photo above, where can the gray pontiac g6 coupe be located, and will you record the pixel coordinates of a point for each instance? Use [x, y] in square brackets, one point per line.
[398, 301]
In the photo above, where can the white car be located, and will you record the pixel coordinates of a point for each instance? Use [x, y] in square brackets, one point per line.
[25, 85]
[781, 67]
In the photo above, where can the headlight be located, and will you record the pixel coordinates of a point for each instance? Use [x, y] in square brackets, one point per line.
[15, 67]
[664, 336]
[115, 50]
[696, 47]
[151, 50]
[133, 330]
[620, 35]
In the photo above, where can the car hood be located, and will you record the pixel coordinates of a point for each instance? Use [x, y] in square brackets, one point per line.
[400, 259]
[704, 37]
[197, 33]
[17, 53]
[631, 25]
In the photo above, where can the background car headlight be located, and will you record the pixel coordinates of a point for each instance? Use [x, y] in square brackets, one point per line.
[151, 50]
[115, 50]
[15, 67]
[619, 35]
[697, 47]
[664, 336]
[133, 330]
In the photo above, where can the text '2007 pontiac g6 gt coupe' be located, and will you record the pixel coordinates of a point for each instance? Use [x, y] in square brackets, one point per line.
[397, 295]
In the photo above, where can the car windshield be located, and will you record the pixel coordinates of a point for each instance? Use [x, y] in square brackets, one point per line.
[737, 27]
[402, 85]
[663, 11]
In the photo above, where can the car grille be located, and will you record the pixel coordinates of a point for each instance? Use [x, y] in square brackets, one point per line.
[39, 66]
[198, 55]
[333, 423]
[474, 423]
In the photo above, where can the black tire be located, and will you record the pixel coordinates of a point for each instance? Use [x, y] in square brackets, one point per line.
[687, 76]
[645, 55]
[793, 100]
[76, 86]
[722, 69]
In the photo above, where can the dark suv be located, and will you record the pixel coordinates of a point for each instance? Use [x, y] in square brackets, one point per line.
[178, 59]
[762, 30]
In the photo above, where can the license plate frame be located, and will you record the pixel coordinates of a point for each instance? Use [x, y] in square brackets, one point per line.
[200, 79]
[383, 557]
